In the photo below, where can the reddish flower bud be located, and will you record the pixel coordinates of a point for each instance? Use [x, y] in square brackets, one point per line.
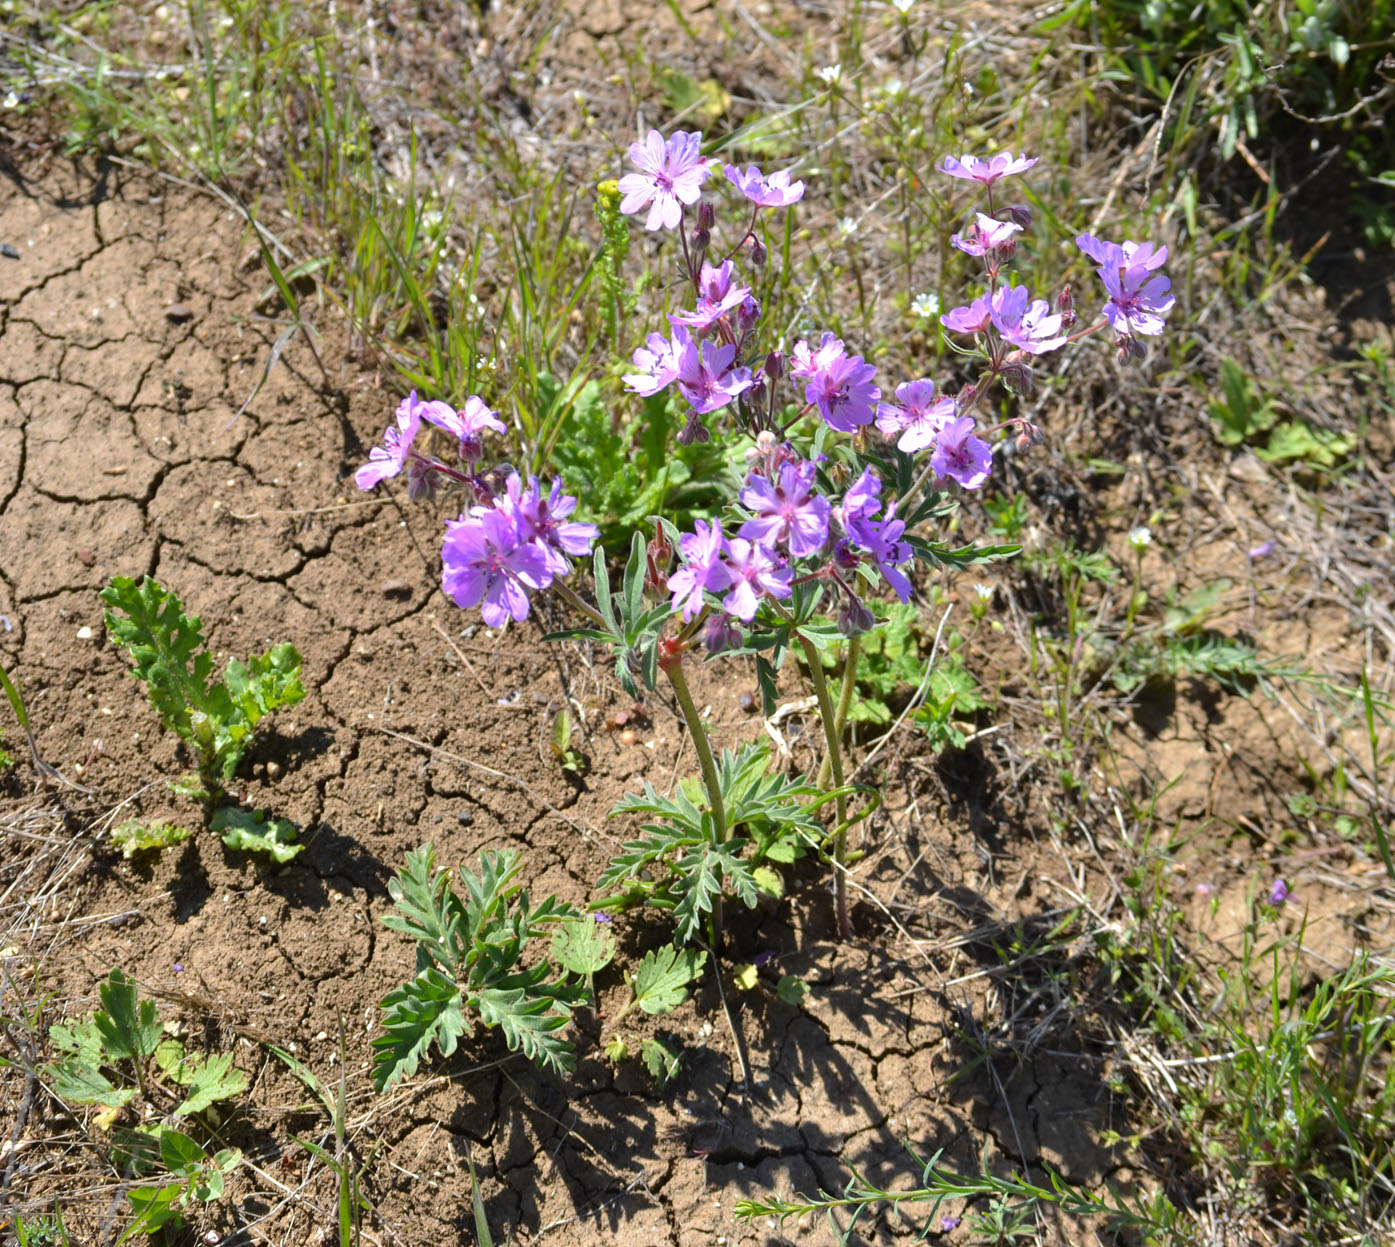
[775, 365]
[659, 553]
[706, 215]
[1020, 214]
[757, 253]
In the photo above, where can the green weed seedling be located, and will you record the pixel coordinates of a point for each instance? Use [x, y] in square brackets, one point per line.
[470, 957]
[45, 1230]
[658, 986]
[134, 836]
[121, 1059]
[216, 720]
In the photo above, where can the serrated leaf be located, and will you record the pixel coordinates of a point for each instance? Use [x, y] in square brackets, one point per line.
[133, 836]
[179, 1151]
[80, 1084]
[583, 946]
[210, 1079]
[253, 832]
[617, 1049]
[745, 976]
[169, 1059]
[530, 1021]
[425, 1011]
[429, 911]
[663, 975]
[129, 1027]
[792, 990]
[660, 1061]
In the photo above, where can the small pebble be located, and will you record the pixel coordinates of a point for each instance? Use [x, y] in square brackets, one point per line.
[9, 251]
[396, 589]
[179, 312]
[273, 770]
[84, 633]
[465, 817]
[85, 555]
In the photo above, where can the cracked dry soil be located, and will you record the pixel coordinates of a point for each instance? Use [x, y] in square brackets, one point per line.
[130, 333]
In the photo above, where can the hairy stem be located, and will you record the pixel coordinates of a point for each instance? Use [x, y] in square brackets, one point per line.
[834, 759]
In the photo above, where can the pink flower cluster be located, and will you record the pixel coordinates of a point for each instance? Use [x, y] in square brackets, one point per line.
[509, 544]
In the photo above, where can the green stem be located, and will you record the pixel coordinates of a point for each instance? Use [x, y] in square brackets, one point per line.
[834, 759]
[845, 698]
[712, 781]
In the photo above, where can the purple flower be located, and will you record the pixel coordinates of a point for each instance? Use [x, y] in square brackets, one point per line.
[720, 633]
[755, 571]
[703, 568]
[1032, 327]
[1138, 298]
[949, 1223]
[839, 385]
[1262, 550]
[467, 424]
[672, 174]
[972, 319]
[1279, 893]
[660, 362]
[916, 415]
[976, 169]
[960, 455]
[543, 521]
[985, 235]
[387, 460]
[602, 917]
[787, 510]
[483, 561]
[707, 379]
[862, 499]
[882, 540]
[777, 191]
[716, 297]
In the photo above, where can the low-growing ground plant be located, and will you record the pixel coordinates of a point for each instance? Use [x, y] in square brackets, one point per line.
[123, 1061]
[215, 719]
[471, 965]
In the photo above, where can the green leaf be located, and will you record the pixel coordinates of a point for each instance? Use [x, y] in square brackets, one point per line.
[662, 1062]
[583, 946]
[792, 990]
[209, 1079]
[129, 1028]
[425, 1011]
[616, 1049]
[745, 977]
[429, 911]
[768, 882]
[154, 1207]
[84, 1084]
[133, 836]
[1296, 440]
[662, 979]
[179, 1151]
[530, 1020]
[253, 832]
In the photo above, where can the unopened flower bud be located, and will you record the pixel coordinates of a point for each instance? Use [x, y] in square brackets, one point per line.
[1028, 435]
[1020, 214]
[422, 479]
[775, 365]
[1129, 348]
[757, 253]
[706, 215]
[747, 314]
[658, 555]
[854, 617]
[720, 634]
[694, 430]
[1017, 374]
[702, 239]
[966, 398]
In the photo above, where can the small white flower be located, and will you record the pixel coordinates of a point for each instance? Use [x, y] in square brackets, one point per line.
[902, 6]
[847, 227]
[894, 87]
[1140, 538]
[831, 73]
[11, 100]
[925, 305]
[985, 592]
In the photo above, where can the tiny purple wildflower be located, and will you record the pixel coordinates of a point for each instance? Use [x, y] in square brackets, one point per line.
[862, 499]
[1279, 893]
[972, 319]
[961, 456]
[660, 362]
[720, 633]
[787, 510]
[975, 168]
[755, 572]
[842, 390]
[716, 297]
[707, 379]
[985, 235]
[703, 568]
[1030, 326]
[916, 415]
[672, 174]
[949, 1223]
[1138, 297]
[483, 563]
[882, 540]
[387, 460]
[807, 362]
[776, 191]
[602, 917]
[1262, 550]
[542, 520]
[467, 424]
